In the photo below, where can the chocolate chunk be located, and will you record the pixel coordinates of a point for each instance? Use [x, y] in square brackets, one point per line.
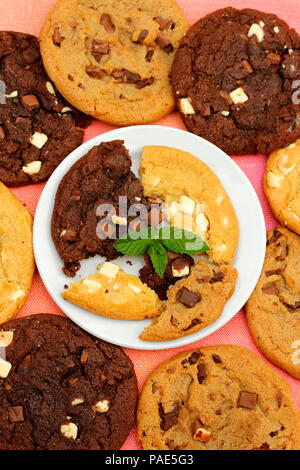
[196, 425]
[283, 254]
[162, 40]
[273, 272]
[2, 133]
[118, 74]
[188, 298]
[247, 66]
[131, 77]
[142, 36]
[94, 71]
[168, 420]
[105, 21]
[218, 277]
[170, 445]
[274, 58]
[164, 23]
[173, 321]
[270, 289]
[194, 322]
[194, 358]
[247, 400]
[146, 82]
[149, 55]
[169, 49]
[57, 37]
[202, 374]
[15, 414]
[30, 102]
[264, 446]
[217, 359]
[276, 234]
[294, 307]
[218, 412]
[274, 433]
[100, 47]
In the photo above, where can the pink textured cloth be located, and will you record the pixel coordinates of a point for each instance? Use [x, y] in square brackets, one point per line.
[28, 16]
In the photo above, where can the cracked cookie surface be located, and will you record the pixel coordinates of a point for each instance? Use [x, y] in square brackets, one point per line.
[273, 310]
[113, 59]
[234, 78]
[217, 398]
[281, 185]
[38, 127]
[62, 389]
[16, 254]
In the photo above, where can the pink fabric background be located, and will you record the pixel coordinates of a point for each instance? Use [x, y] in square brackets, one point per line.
[28, 16]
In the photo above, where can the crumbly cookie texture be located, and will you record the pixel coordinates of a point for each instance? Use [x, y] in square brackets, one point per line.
[113, 293]
[63, 389]
[38, 127]
[217, 398]
[193, 303]
[281, 185]
[194, 198]
[113, 59]
[234, 78]
[16, 254]
[273, 310]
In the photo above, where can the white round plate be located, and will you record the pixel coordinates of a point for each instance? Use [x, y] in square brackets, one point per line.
[249, 257]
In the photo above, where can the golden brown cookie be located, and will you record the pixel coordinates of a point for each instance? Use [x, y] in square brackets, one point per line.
[113, 293]
[273, 310]
[282, 185]
[217, 398]
[113, 59]
[193, 303]
[194, 198]
[16, 254]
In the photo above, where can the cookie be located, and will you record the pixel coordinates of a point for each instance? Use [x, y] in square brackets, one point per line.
[38, 127]
[16, 254]
[113, 293]
[235, 77]
[62, 389]
[79, 229]
[194, 302]
[217, 398]
[194, 198]
[273, 310]
[281, 185]
[119, 56]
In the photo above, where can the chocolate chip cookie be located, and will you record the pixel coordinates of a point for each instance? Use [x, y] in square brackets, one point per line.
[62, 389]
[235, 79]
[38, 127]
[16, 254]
[273, 310]
[79, 229]
[119, 56]
[217, 398]
[281, 185]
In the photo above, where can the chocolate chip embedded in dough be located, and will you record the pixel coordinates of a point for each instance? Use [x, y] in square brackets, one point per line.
[193, 323]
[106, 21]
[202, 374]
[162, 40]
[274, 272]
[217, 359]
[173, 321]
[247, 400]
[164, 23]
[218, 277]
[276, 235]
[193, 359]
[131, 77]
[30, 102]
[94, 71]
[100, 46]
[294, 307]
[283, 254]
[149, 55]
[57, 37]
[142, 36]
[188, 298]
[270, 289]
[118, 74]
[146, 82]
[15, 414]
[168, 420]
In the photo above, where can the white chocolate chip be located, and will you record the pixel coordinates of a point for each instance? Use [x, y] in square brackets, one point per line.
[138, 199]
[276, 29]
[292, 146]
[62, 233]
[50, 88]
[202, 435]
[38, 140]
[116, 286]
[102, 406]
[91, 285]
[262, 24]
[225, 222]
[225, 113]
[77, 401]
[222, 248]
[13, 94]
[108, 269]
[202, 223]
[135, 289]
[185, 271]
[66, 110]
[6, 338]
[156, 182]
[32, 168]
[119, 220]
[4, 368]
[238, 96]
[282, 168]
[186, 106]
[17, 295]
[187, 205]
[274, 181]
[219, 199]
[258, 31]
[69, 430]
[291, 51]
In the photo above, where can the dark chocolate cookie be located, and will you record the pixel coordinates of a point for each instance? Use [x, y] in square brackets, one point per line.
[38, 127]
[79, 230]
[61, 388]
[235, 81]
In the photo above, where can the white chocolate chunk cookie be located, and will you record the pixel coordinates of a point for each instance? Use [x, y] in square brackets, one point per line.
[194, 198]
[16, 255]
[113, 293]
[282, 185]
[217, 398]
[113, 59]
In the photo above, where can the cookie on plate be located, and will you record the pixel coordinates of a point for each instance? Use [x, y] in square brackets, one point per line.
[38, 127]
[193, 303]
[281, 185]
[217, 398]
[62, 389]
[194, 198]
[273, 310]
[234, 78]
[113, 293]
[113, 59]
[16, 254]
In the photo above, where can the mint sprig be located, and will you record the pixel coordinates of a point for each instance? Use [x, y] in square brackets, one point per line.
[156, 243]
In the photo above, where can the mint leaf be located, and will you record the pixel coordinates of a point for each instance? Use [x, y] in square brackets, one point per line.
[136, 243]
[182, 241]
[159, 257]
